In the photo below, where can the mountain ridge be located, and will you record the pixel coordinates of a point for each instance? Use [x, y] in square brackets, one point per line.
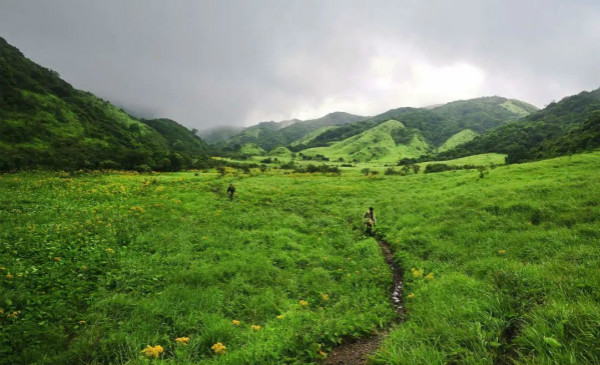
[46, 123]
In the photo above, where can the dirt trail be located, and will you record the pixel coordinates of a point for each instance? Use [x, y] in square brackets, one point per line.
[356, 352]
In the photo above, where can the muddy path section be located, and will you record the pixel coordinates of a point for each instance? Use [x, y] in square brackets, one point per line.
[357, 351]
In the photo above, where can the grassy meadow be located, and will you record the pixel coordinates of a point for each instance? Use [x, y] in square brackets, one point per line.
[96, 267]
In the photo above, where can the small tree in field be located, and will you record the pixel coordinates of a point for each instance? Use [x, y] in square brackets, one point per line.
[221, 170]
[365, 171]
[416, 168]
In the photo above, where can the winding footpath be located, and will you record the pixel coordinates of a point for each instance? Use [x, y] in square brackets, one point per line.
[356, 352]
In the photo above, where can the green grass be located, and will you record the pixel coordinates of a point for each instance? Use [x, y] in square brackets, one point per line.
[459, 138]
[484, 159]
[514, 261]
[281, 152]
[512, 107]
[375, 145]
[312, 135]
[252, 149]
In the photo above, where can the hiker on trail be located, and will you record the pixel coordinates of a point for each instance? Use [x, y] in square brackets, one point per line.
[231, 191]
[370, 221]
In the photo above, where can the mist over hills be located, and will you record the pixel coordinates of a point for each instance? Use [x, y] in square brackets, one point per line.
[46, 123]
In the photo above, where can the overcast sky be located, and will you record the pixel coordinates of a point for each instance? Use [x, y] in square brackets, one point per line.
[208, 63]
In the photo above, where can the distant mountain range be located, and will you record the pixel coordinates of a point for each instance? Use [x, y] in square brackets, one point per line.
[387, 137]
[46, 123]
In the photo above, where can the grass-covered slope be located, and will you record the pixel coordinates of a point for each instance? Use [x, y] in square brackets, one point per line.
[179, 137]
[312, 135]
[387, 142]
[44, 122]
[457, 139]
[97, 267]
[513, 259]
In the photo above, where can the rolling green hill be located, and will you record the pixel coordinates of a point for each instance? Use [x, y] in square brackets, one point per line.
[312, 135]
[568, 126]
[46, 123]
[457, 139]
[386, 142]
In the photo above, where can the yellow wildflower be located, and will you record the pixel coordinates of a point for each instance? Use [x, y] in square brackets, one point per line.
[411, 295]
[82, 322]
[9, 276]
[281, 316]
[2, 268]
[325, 296]
[57, 259]
[256, 327]
[235, 322]
[323, 353]
[429, 276]
[183, 340]
[153, 352]
[1, 310]
[501, 252]
[219, 348]
[417, 273]
[357, 272]
[110, 250]
[14, 314]
[304, 303]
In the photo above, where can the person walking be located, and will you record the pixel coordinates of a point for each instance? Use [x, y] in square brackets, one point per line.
[231, 191]
[370, 221]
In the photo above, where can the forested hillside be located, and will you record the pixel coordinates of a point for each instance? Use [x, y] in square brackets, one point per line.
[568, 126]
[46, 123]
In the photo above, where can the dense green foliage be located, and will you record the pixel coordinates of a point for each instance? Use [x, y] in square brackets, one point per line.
[45, 122]
[96, 267]
[569, 126]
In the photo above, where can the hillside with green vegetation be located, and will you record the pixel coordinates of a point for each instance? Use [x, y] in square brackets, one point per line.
[569, 126]
[269, 135]
[387, 142]
[312, 135]
[126, 268]
[46, 123]
[459, 138]
[436, 124]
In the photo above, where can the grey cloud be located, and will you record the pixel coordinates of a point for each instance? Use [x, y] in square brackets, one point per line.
[209, 63]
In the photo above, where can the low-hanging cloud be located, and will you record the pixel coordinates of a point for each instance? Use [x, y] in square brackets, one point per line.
[209, 63]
